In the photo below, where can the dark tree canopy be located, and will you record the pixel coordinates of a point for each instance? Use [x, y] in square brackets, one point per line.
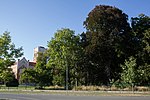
[141, 44]
[106, 27]
[140, 24]
[106, 18]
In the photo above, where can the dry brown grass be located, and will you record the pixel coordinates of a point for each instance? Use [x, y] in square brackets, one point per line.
[113, 88]
[142, 88]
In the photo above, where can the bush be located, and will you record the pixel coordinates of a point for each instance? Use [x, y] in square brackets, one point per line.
[13, 83]
[120, 84]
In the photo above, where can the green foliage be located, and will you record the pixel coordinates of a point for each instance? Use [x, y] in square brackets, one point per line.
[28, 76]
[121, 84]
[64, 51]
[8, 53]
[129, 74]
[146, 41]
[41, 75]
[141, 31]
[44, 75]
[143, 75]
[7, 49]
[139, 25]
[7, 75]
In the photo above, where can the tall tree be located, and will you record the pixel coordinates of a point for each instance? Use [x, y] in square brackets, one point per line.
[8, 53]
[141, 30]
[64, 52]
[106, 28]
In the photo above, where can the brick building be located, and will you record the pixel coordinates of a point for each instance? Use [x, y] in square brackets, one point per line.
[23, 63]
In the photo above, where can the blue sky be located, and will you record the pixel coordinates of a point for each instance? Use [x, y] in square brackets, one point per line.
[33, 22]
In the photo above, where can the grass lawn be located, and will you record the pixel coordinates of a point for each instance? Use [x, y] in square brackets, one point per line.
[21, 87]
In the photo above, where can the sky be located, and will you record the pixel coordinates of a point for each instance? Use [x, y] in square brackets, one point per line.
[32, 23]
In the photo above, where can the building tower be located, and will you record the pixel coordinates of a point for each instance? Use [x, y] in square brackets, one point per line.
[36, 51]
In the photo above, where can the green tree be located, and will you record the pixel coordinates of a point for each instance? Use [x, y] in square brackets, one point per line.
[64, 53]
[144, 58]
[28, 76]
[139, 25]
[106, 27]
[140, 29]
[146, 41]
[43, 73]
[129, 74]
[141, 45]
[7, 75]
[8, 53]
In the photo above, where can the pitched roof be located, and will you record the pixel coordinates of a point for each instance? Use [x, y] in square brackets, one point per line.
[32, 63]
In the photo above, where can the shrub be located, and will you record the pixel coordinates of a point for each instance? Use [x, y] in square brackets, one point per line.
[13, 83]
